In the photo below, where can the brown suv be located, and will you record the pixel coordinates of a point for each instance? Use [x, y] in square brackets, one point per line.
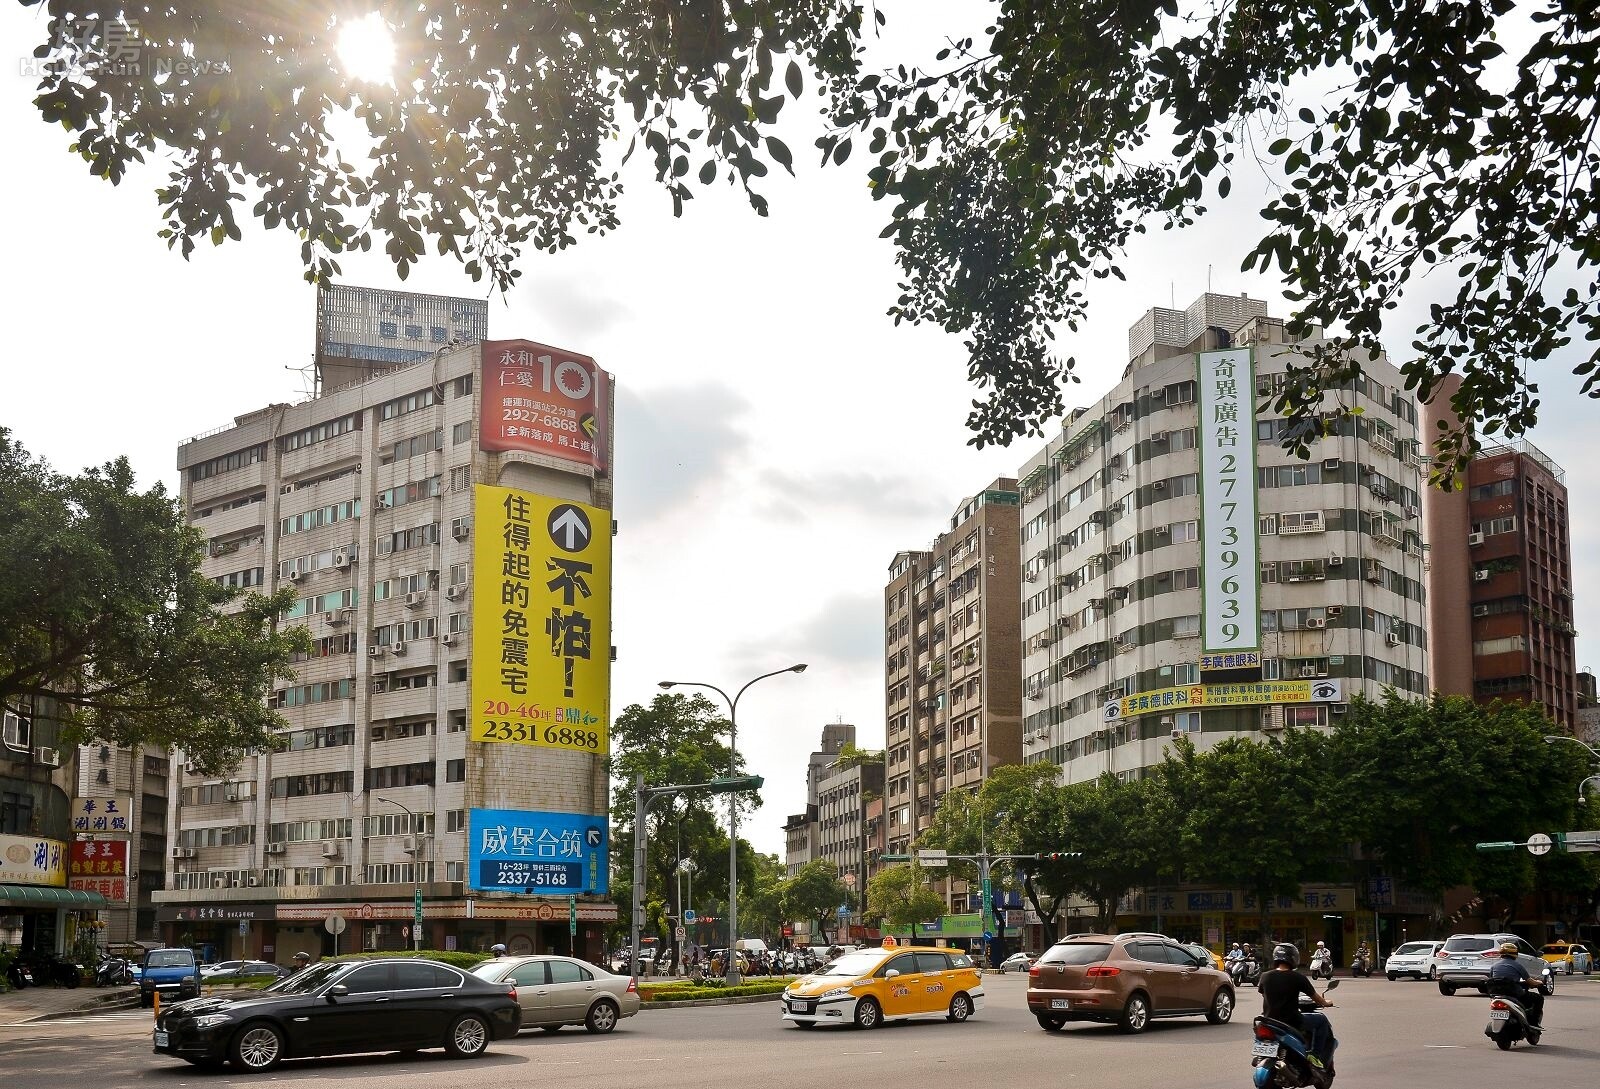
[1126, 979]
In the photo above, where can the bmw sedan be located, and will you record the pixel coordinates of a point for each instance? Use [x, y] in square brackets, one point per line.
[557, 991]
[343, 1007]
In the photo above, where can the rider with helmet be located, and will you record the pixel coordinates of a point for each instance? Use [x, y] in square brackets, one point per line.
[1281, 989]
[497, 949]
[1509, 979]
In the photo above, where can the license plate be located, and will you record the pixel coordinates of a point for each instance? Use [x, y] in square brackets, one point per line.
[1499, 1015]
[161, 1039]
[1059, 1004]
[1265, 1049]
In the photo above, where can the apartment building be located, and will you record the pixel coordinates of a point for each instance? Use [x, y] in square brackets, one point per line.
[952, 672]
[1314, 568]
[1501, 571]
[448, 564]
[843, 794]
[800, 829]
[119, 820]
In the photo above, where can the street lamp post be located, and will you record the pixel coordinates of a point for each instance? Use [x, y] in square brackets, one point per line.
[1551, 739]
[416, 863]
[731, 974]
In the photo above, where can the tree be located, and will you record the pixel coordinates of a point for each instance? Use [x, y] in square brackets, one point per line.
[1121, 832]
[107, 623]
[815, 893]
[1018, 165]
[899, 896]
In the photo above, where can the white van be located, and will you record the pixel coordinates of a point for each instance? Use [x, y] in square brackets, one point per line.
[750, 945]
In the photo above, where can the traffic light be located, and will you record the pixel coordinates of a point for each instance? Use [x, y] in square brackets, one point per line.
[727, 784]
[1061, 856]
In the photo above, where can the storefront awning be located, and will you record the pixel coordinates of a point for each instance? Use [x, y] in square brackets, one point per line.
[41, 896]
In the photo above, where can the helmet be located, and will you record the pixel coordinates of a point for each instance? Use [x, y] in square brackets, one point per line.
[1319, 945]
[302, 956]
[1285, 953]
[1508, 949]
[497, 948]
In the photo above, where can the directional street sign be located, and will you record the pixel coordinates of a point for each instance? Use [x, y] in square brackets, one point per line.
[933, 858]
[1539, 844]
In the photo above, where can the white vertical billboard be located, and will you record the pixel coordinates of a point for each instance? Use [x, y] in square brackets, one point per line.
[1230, 593]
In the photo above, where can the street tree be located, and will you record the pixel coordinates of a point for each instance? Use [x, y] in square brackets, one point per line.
[1398, 139]
[1121, 834]
[108, 625]
[815, 893]
[900, 896]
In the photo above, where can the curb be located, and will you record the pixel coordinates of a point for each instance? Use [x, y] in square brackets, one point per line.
[106, 1004]
[736, 1000]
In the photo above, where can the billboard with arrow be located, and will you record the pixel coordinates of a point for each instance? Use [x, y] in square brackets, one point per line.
[544, 400]
[540, 666]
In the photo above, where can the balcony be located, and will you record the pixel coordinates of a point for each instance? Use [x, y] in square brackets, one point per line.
[226, 523]
[238, 481]
[332, 452]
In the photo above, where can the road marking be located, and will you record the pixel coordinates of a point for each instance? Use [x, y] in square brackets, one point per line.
[658, 1059]
[1444, 1045]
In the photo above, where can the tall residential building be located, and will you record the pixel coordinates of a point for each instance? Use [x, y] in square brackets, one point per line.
[952, 694]
[446, 528]
[1173, 482]
[1587, 728]
[842, 797]
[1501, 574]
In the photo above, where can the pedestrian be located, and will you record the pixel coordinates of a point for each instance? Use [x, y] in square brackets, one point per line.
[498, 950]
[301, 960]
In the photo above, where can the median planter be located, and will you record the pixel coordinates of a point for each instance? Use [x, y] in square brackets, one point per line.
[689, 992]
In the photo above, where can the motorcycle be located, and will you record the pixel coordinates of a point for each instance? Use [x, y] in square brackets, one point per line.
[113, 972]
[19, 975]
[1508, 1022]
[1361, 965]
[1322, 964]
[1281, 1058]
[1245, 972]
[50, 969]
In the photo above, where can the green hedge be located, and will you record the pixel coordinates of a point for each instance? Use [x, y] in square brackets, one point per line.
[451, 957]
[677, 994]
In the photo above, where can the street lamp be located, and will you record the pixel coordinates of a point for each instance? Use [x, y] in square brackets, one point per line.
[732, 970]
[416, 871]
[1551, 739]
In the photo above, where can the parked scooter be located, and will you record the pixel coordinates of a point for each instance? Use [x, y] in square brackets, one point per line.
[1508, 1020]
[113, 972]
[19, 975]
[1280, 1057]
[1322, 964]
[47, 968]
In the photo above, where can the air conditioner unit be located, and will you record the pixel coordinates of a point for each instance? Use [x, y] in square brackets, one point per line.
[342, 558]
[456, 591]
[460, 528]
[1122, 476]
[184, 852]
[1064, 541]
[417, 600]
[1392, 639]
[1374, 573]
[1480, 576]
[1340, 708]
[1160, 485]
[1307, 671]
[1031, 576]
[1166, 720]
[1412, 512]
[1334, 610]
[449, 638]
[297, 575]
[332, 618]
[1474, 539]
[48, 757]
[399, 648]
[230, 794]
[1163, 529]
[1158, 436]
[220, 882]
[1480, 610]
[376, 650]
[1098, 518]
[1316, 622]
[275, 849]
[1335, 561]
[330, 848]
[1380, 492]
[252, 881]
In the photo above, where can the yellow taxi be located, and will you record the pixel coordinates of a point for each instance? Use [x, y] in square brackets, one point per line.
[1568, 958]
[871, 986]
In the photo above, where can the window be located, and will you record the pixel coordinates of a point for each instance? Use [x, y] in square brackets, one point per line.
[1267, 525]
[455, 820]
[1180, 393]
[322, 516]
[1186, 722]
[401, 406]
[18, 731]
[1493, 526]
[400, 775]
[461, 478]
[321, 737]
[227, 463]
[16, 813]
[303, 786]
[463, 386]
[1305, 714]
[458, 722]
[370, 977]
[533, 974]
[1185, 625]
[402, 494]
[401, 540]
[321, 432]
[1491, 491]
[321, 692]
[455, 771]
[424, 443]
[1305, 521]
[565, 971]
[1188, 673]
[1269, 572]
[1185, 531]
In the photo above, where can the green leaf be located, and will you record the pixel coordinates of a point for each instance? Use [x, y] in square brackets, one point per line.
[792, 79]
[780, 153]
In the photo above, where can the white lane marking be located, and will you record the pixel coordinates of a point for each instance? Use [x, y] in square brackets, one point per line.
[658, 1059]
[1444, 1045]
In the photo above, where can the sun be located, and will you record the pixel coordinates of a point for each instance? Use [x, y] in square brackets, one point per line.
[366, 49]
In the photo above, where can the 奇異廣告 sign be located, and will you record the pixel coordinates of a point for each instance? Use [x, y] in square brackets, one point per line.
[1230, 615]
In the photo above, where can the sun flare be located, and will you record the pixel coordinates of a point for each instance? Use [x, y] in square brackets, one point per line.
[366, 50]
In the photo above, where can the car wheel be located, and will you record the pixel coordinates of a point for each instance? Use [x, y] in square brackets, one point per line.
[468, 1038]
[602, 1017]
[1135, 1015]
[1569, 970]
[1392, 976]
[256, 1047]
[1446, 989]
[1050, 1022]
[960, 1007]
[1221, 1011]
[551, 1028]
[868, 1014]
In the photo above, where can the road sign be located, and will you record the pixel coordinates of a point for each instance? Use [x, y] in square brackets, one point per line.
[334, 924]
[679, 933]
[244, 928]
[1539, 844]
[572, 916]
[933, 858]
[688, 915]
[849, 880]
[416, 907]
[844, 909]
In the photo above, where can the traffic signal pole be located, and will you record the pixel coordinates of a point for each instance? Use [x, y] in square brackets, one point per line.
[985, 863]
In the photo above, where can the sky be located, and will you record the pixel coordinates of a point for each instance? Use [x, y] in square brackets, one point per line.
[778, 439]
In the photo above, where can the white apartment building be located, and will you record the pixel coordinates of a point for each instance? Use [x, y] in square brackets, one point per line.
[1112, 528]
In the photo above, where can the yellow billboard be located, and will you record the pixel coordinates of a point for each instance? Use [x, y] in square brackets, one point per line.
[33, 860]
[1251, 693]
[541, 621]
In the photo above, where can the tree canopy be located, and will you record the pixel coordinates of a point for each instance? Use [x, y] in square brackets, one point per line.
[107, 623]
[1400, 137]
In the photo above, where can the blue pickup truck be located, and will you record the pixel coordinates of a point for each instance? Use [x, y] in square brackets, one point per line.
[172, 973]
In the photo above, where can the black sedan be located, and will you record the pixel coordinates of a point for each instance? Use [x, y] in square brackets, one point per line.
[342, 1007]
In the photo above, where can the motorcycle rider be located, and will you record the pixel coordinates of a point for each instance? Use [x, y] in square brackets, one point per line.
[1281, 989]
[1321, 958]
[1235, 953]
[1509, 979]
[1363, 956]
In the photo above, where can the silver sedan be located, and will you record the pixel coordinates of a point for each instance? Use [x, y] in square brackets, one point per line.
[557, 991]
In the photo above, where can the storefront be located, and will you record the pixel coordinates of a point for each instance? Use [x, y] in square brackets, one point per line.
[37, 911]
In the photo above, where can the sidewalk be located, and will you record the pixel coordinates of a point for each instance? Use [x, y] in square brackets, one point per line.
[43, 1003]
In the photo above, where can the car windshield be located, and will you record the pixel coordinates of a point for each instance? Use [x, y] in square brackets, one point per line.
[1469, 945]
[1414, 947]
[1559, 950]
[169, 958]
[1076, 953]
[309, 979]
[852, 964]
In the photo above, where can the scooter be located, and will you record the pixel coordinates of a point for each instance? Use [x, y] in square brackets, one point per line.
[1281, 1058]
[1508, 1022]
[113, 972]
[1246, 972]
[1361, 965]
[1322, 964]
[19, 975]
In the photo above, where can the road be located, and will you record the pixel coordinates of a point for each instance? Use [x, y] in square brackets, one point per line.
[1392, 1034]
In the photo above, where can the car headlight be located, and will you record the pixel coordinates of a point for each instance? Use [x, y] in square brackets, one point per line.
[211, 1020]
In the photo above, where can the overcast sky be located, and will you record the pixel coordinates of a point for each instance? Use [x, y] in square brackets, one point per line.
[778, 439]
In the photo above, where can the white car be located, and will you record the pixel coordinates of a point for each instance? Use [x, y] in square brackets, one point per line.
[1018, 962]
[1414, 959]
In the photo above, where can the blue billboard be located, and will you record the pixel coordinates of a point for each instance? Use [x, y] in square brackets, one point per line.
[514, 850]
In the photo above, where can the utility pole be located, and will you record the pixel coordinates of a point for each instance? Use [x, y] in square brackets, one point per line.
[985, 863]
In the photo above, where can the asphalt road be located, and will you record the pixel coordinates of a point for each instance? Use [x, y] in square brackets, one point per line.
[1398, 1034]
